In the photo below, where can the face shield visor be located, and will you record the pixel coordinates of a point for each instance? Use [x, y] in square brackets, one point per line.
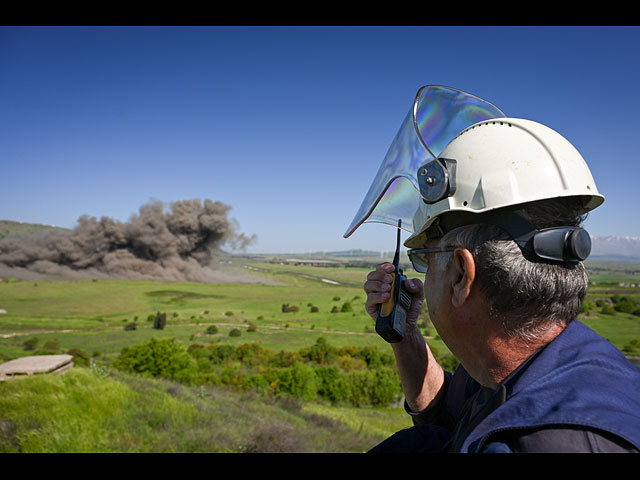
[438, 114]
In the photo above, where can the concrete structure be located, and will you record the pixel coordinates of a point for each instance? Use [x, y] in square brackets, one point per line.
[35, 364]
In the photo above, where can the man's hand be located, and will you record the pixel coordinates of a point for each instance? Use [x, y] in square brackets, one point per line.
[378, 288]
[421, 376]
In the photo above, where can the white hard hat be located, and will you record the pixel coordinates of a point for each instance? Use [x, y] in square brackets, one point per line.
[459, 160]
[494, 164]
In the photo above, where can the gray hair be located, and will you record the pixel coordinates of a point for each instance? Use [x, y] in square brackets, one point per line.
[526, 296]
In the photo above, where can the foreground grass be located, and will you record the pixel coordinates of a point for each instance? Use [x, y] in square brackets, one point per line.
[84, 411]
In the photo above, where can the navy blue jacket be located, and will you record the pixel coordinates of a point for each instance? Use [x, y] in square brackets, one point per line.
[577, 383]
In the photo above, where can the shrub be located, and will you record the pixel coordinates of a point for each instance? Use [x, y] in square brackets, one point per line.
[51, 345]
[157, 358]
[252, 328]
[332, 384]
[284, 359]
[252, 354]
[586, 306]
[631, 347]
[80, 357]
[212, 330]
[608, 309]
[130, 326]
[625, 306]
[379, 387]
[235, 332]
[346, 307]
[222, 354]
[314, 309]
[30, 343]
[349, 364]
[298, 380]
[228, 314]
[321, 352]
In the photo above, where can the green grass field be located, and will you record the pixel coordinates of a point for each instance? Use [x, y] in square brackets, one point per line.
[83, 410]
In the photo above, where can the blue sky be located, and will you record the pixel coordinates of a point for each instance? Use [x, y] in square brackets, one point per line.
[287, 125]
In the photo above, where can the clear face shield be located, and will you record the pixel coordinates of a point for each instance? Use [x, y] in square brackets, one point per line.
[411, 171]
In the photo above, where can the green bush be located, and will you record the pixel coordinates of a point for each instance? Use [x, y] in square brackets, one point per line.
[235, 332]
[298, 380]
[80, 357]
[222, 354]
[586, 306]
[252, 354]
[51, 345]
[631, 347]
[30, 343]
[321, 352]
[346, 307]
[157, 358]
[625, 306]
[212, 330]
[379, 387]
[608, 309]
[333, 385]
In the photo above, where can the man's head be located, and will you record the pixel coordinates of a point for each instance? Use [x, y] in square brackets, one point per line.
[513, 193]
[525, 295]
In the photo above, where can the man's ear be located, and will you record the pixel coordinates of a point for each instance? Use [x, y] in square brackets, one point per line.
[464, 274]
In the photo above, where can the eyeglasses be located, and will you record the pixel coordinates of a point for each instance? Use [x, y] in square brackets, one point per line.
[418, 256]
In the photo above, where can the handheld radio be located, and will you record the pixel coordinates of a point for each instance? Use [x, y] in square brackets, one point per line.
[392, 314]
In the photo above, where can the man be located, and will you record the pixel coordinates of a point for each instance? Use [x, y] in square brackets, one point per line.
[532, 378]
[496, 230]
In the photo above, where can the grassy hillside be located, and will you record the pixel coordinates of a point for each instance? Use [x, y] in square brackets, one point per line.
[98, 408]
[84, 411]
[10, 228]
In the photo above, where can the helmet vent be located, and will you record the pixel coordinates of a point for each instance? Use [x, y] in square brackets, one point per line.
[478, 125]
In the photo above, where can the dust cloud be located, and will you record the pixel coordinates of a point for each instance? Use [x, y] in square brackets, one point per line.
[182, 243]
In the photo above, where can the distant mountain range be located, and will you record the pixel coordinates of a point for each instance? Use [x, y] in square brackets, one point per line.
[613, 248]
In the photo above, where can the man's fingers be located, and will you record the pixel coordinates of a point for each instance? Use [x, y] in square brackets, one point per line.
[372, 286]
[413, 285]
[380, 275]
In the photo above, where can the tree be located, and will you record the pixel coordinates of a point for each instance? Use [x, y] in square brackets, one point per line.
[160, 321]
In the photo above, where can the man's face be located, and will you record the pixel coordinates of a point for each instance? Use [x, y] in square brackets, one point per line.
[438, 290]
[434, 286]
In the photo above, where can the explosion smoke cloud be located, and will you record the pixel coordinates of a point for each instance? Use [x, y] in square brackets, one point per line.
[178, 244]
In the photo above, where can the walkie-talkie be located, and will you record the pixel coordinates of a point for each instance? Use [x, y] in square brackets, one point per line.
[392, 314]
